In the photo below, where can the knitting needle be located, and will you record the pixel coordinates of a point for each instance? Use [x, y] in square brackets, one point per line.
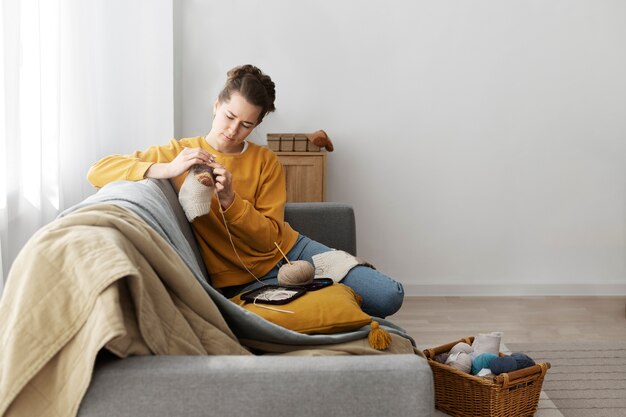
[282, 253]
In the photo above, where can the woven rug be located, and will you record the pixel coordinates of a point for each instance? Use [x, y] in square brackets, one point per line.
[585, 380]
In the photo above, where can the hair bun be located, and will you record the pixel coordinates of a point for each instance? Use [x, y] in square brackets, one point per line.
[238, 74]
[242, 71]
[253, 84]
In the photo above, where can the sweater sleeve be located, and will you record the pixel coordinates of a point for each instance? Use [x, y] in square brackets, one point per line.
[260, 224]
[131, 167]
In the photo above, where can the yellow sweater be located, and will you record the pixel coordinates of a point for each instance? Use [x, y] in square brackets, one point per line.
[255, 218]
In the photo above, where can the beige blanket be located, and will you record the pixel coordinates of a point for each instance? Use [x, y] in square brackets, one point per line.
[101, 277]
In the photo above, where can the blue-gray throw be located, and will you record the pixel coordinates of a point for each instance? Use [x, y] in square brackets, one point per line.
[148, 200]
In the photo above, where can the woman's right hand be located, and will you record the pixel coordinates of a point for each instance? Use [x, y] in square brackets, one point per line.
[181, 164]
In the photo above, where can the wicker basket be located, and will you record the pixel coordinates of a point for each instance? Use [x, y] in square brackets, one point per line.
[507, 395]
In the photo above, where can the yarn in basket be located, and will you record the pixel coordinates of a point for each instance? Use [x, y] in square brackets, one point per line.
[523, 360]
[442, 357]
[460, 347]
[503, 364]
[461, 361]
[482, 361]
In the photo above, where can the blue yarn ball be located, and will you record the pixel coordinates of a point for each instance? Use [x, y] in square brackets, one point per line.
[503, 364]
[482, 361]
[523, 360]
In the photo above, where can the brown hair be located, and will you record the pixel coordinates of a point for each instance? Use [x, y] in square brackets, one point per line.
[256, 87]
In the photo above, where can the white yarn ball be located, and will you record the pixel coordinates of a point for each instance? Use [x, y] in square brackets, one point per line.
[461, 347]
[463, 362]
[297, 273]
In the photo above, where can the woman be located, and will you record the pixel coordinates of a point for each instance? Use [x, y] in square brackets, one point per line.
[251, 196]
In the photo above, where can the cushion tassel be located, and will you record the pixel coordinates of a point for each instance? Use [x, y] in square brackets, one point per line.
[378, 337]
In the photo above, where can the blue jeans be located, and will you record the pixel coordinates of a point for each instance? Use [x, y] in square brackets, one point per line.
[382, 296]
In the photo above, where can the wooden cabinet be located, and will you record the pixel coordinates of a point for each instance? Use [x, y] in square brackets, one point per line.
[305, 173]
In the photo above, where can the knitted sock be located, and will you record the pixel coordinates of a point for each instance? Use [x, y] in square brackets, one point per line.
[335, 264]
[196, 192]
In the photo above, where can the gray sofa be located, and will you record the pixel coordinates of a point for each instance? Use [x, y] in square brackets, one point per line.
[381, 385]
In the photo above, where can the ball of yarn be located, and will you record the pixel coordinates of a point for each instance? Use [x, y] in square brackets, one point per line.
[482, 361]
[296, 273]
[523, 360]
[461, 347]
[503, 364]
[461, 361]
[441, 358]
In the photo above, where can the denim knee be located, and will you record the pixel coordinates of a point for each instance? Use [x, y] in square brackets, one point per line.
[387, 302]
[382, 295]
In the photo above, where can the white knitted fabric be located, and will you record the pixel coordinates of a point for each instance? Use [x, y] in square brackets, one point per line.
[334, 264]
[195, 197]
[487, 343]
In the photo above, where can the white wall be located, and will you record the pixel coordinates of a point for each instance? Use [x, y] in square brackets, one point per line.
[481, 143]
[126, 71]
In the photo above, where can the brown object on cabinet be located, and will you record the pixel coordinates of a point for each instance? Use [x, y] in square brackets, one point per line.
[305, 175]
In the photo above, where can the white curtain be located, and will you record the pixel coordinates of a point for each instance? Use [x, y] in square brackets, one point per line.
[79, 79]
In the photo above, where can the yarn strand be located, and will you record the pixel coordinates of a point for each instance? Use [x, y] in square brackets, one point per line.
[302, 272]
[231, 239]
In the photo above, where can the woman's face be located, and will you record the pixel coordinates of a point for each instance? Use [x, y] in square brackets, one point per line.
[234, 121]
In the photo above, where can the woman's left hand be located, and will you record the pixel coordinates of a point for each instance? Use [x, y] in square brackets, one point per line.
[223, 185]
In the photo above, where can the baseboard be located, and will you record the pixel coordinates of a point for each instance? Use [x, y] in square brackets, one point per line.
[514, 290]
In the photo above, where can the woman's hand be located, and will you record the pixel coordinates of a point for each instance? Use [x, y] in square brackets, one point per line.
[223, 185]
[181, 164]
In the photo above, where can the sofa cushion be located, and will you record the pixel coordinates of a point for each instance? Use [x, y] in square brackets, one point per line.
[329, 310]
[332, 224]
[261, 386]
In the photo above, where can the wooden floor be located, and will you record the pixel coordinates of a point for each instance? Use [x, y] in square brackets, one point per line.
[433, 321]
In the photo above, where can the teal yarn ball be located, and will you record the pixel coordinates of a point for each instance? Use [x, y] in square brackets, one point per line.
[482, 361]
[523, 360]
[503, 364]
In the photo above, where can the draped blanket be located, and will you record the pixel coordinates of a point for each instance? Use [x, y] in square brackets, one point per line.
[116, 273]
[148, 201]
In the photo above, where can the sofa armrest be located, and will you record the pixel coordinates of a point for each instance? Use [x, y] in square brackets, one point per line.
[332, 224]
